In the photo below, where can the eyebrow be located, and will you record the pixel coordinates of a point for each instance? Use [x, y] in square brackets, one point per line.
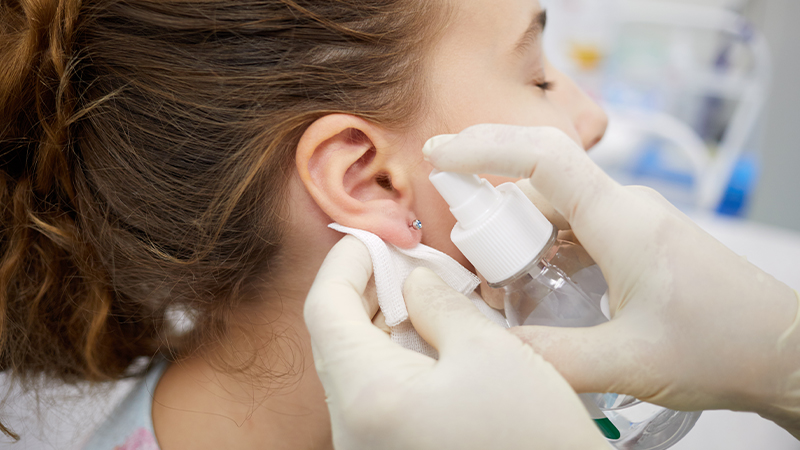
[533, 31]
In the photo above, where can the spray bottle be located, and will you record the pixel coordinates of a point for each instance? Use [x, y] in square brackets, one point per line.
[550, 282]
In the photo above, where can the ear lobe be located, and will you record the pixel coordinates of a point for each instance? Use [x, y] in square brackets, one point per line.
[357, 178]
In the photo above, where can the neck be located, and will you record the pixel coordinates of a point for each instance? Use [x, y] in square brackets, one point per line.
[257, 388]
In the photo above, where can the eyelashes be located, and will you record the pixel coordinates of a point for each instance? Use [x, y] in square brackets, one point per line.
[545, 86]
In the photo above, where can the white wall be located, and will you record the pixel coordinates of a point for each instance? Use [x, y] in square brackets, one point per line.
[777, 199]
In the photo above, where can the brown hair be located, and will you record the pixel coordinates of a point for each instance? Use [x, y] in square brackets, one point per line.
[144, 151]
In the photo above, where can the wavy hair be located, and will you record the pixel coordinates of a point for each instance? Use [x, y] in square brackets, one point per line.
[145, 147]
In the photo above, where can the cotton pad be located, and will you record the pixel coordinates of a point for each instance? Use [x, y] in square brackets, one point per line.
[392, 265]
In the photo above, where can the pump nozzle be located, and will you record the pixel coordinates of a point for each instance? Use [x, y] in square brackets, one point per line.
[470, 198]
[499, 230]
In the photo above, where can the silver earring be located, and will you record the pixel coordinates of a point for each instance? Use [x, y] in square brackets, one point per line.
[416, 224]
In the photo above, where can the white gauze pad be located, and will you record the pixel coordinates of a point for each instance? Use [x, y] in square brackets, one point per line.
[392, 265]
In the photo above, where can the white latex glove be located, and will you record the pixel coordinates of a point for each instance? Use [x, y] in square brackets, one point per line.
[487, 390]
[694, 325]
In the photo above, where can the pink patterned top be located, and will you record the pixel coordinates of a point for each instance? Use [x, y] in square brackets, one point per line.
[130, 425]
[141, 439]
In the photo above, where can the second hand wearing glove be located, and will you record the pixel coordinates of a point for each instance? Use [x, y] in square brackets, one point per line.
[694, 326]
[487, 390]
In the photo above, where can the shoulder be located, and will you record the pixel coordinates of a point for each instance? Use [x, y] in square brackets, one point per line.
[130, 424]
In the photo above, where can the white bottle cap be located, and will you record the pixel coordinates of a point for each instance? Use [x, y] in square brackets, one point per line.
[499, 230]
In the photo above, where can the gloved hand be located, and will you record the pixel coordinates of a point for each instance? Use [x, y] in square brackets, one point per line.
[694, 325]
[487, 390]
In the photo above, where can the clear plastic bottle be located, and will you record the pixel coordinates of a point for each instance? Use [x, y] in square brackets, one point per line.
[548, 282]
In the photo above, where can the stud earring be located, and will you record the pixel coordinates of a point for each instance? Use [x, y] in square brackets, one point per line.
[416, 224]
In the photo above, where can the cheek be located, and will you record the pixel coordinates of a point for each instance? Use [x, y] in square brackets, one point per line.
[516, 105]
[536, 110]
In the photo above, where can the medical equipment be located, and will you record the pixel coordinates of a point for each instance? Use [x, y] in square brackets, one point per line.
[548, 282]
[684, 85]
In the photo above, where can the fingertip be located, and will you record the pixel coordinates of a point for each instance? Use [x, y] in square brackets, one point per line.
[349, 259]
[344, 274]
[351, 247]
[435, 143]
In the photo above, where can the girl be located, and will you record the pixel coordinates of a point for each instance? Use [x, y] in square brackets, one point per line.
[168, 158]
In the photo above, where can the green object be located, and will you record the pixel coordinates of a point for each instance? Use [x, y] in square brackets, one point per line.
[608, 428]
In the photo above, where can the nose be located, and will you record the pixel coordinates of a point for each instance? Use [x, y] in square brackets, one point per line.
[588, 117]
[591, 123]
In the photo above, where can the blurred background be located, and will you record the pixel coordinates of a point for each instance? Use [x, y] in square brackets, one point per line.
[701, 95]
[703, 107]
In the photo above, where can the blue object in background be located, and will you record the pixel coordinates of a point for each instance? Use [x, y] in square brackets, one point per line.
[740, 187]
[651, 164]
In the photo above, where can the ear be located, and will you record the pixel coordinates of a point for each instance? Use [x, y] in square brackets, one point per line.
[358, 178]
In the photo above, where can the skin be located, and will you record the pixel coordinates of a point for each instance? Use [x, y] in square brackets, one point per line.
[477, 74]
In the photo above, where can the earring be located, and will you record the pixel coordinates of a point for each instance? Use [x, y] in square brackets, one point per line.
[416, 224]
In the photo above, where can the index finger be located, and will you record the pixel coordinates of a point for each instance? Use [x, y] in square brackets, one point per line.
[342, 334]
[339, 286]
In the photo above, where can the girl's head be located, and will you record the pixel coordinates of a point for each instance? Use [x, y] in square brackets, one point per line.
[159, 155]
[485, 65]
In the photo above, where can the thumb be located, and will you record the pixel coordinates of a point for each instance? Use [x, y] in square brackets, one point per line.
[590, 359]
[442, 316]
